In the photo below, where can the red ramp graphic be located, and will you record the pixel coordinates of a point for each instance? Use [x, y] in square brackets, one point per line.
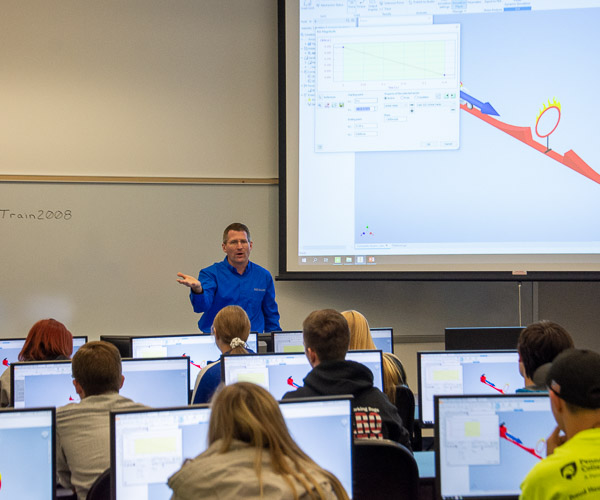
[290, 381]
[504, 434]
[523, 134]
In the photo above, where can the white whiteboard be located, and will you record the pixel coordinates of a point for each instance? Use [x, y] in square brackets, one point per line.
[143, 88]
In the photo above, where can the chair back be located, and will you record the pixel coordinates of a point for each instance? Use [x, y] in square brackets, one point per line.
[405, 404]
[384, 469]
[100, 490]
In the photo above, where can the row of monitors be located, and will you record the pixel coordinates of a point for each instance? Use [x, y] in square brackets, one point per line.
[285, 341]
[148, 446]
[10, 349]
[485, 444]
[202, 350]
[164, 382]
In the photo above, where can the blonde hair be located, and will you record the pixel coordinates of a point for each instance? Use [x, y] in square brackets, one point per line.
[248, 413]
[360, 334]
[232, 322]
[392, 375]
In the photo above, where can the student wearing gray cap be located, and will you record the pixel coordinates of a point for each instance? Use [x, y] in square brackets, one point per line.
[572, 466]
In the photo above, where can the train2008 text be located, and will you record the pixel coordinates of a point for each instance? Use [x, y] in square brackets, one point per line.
[6, 213]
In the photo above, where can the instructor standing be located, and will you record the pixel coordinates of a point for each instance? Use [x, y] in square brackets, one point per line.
[234, 281]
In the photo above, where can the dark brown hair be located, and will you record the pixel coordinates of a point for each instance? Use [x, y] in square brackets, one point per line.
[326, 332]
[540, 343]
[97, 367]
[236, 226]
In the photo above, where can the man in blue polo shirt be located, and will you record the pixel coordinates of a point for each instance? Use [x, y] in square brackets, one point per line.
[234, 281]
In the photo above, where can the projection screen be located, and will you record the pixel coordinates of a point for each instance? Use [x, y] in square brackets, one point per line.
[439, 139]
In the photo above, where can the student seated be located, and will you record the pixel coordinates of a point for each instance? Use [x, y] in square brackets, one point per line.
[538, 345]
[326, 337]
[251, 454]
[361, 339]
[47, 340]
[571, 468]
[231, 329]
[82, 429]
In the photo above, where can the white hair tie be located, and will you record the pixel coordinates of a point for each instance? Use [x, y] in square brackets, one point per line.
[237, 342]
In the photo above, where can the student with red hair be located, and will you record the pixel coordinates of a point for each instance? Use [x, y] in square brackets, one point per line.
[47, 340]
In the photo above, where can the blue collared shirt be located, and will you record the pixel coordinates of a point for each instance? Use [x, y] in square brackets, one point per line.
[253, 291]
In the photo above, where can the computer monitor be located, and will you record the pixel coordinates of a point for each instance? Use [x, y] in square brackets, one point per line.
[293, 341]
[10, 349]
[383, 338]
[200, 348]
[28, 458]
[121, 342]
[78, 342]
[464, 372]
[148, 446]
[155, 382]
[486, 445]
[283, 372]
[493, 337]
[290, 341]
[42, 383]
[322, 427]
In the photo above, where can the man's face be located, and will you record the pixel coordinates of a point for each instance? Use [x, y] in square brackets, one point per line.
[237, 247]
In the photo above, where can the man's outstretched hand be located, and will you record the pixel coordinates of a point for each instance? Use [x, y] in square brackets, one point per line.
[190, 282]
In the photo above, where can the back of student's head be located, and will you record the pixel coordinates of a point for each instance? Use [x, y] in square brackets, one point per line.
[326, 332]
[96, 367]
[47, 339]
[574, 376]
[232, 323]
[540, 343]
[360, 333]
[249, 413]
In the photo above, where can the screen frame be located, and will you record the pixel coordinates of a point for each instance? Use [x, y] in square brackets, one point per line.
[438, 480]
[452, 333]
[285, 274]
[53, 482]
[113, 447]
[425, 425]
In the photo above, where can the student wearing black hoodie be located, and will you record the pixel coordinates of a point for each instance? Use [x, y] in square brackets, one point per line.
[326, 338]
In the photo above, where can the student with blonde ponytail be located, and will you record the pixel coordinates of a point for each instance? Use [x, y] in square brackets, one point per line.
[231, 328]
[252, 455]
[361, 339]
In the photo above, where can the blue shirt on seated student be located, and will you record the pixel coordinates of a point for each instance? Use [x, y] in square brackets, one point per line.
[231, 329]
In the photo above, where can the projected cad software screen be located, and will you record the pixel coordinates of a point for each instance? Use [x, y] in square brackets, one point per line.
[38, 384]
[432, 134]
[201, 349]
[27, 453]
[467, 372]
[487, 445]
[157, 382]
